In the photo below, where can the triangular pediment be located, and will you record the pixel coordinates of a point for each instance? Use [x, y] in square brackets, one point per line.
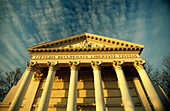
[88, 42]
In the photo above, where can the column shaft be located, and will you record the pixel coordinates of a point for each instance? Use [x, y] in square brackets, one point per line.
[44, 101]
[17, 101]
[99, 97]
[153, 96]
[124, 89]
[72, 95]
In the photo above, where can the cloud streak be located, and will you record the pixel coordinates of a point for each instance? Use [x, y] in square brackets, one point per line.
[26, 23]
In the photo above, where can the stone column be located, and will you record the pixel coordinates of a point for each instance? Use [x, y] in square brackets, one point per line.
[72, 95]
[99, 97]
[142, 95]
[44, 101]
[17, 101]
[153, 96]
[124, 89]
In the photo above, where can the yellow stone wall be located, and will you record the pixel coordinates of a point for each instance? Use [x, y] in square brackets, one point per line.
[85, 93]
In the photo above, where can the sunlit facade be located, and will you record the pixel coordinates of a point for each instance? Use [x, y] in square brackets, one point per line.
[84, 72]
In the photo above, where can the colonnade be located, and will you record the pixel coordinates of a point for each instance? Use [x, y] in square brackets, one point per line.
[99, 96]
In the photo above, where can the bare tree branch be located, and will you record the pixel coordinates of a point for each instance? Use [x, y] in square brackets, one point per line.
[8, 80]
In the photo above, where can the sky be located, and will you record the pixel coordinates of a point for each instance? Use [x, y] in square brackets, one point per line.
[26, 23]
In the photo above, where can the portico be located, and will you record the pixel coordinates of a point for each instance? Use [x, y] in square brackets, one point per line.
[86, 72]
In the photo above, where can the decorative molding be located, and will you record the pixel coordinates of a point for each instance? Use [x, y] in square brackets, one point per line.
[96, 65]
[118, 65]
[57, 78]
[74, 65]
[97, 56]
[52, 66]
[139, 64]
[86, 44]
[37, 75]
[86, 49]
[31, 65]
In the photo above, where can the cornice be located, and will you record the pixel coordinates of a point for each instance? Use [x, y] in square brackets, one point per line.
[85, 49]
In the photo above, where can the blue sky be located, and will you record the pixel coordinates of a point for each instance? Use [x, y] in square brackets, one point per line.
[25, 23]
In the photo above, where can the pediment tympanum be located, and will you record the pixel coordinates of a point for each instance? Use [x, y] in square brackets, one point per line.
[86, 42]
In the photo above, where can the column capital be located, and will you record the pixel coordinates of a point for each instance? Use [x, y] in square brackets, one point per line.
[118, 65]
[139, 64]
[31, 65]
[96, 65]
[52, 66]
[73, 65]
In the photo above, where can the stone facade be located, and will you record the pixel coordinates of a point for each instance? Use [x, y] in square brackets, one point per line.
[84, 72]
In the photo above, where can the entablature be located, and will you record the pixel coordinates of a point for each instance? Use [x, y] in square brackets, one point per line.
[86, 59]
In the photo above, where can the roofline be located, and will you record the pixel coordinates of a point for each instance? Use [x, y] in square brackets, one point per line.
[109, 49]
[85, 36]
[114, 39]
[57, 40]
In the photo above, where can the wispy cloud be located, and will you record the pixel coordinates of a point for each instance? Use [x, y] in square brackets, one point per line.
[25, 23]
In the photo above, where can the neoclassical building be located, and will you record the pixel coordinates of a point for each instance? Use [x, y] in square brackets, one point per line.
[85, 72]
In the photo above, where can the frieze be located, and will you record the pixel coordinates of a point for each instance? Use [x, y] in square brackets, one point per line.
[86, 56]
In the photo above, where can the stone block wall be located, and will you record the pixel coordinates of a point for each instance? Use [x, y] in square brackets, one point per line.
[85, 93]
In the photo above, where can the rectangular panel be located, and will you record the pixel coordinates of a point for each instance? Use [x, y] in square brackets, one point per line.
[107, 93]
[87, 109]
[85, 100]
[60, 85]
[110, 84]
[116, 100]
[55, 93]
[59, 93]
[53, 100]
[50, 109]
[115, 108]
[58, 101]
[85, 85]
[85, 93]
[112, 93]
[57, 85]
[107, 100]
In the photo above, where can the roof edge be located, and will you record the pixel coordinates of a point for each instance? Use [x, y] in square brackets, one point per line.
[85, 36]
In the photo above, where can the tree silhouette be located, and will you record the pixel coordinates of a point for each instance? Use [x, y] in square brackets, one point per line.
[162, 76]
[7, 80]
